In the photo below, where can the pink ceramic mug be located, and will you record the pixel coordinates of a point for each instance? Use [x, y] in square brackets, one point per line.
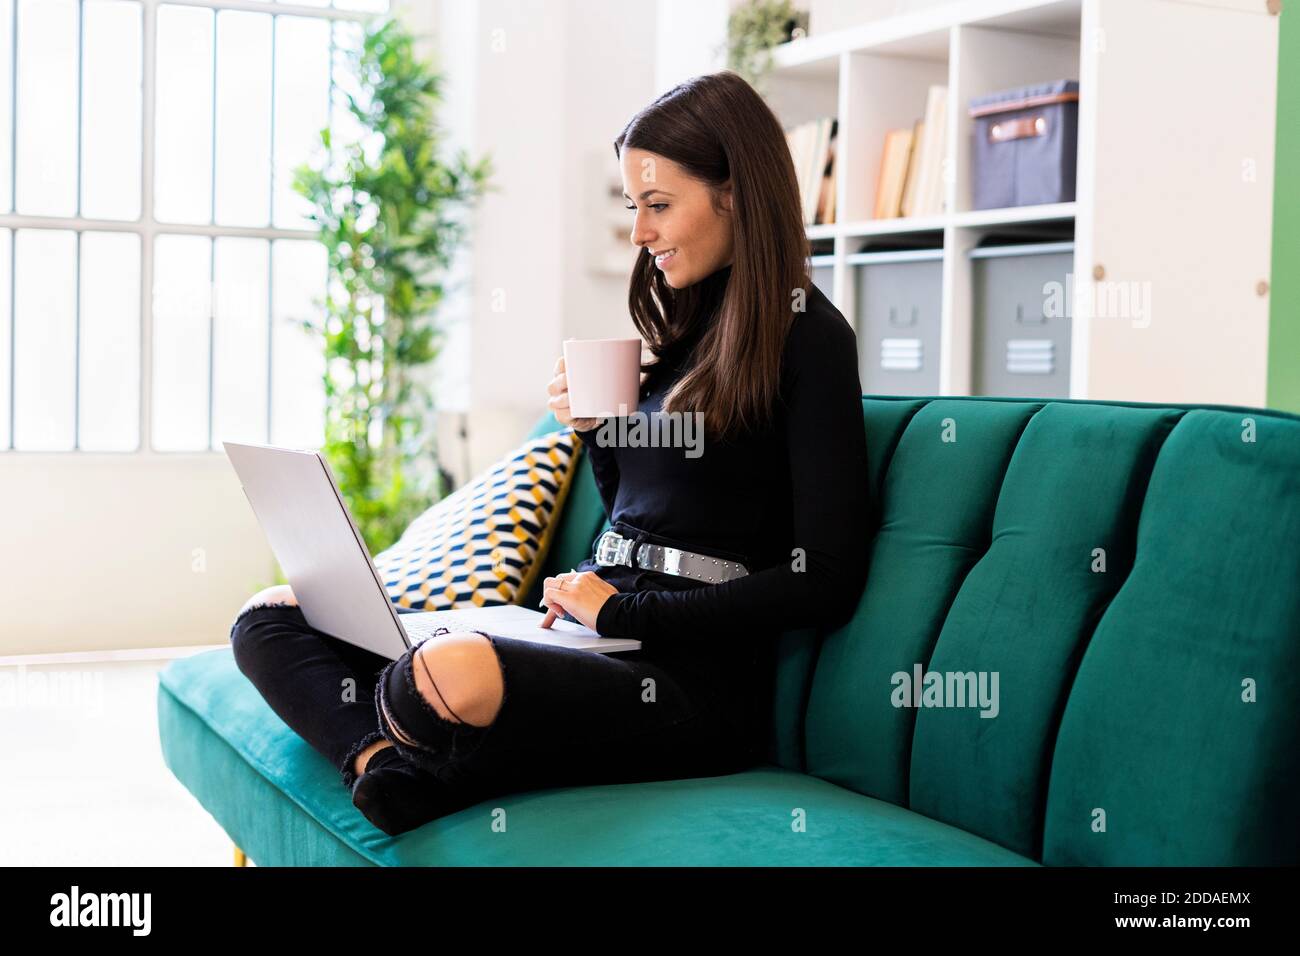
[604, 377]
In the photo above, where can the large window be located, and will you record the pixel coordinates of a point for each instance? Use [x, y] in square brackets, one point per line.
[155, 263]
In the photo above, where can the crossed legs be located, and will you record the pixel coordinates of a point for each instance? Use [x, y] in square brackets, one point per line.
[467, 715]
[457, 675]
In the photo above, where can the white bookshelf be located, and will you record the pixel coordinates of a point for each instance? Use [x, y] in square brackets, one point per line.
[1174, 196]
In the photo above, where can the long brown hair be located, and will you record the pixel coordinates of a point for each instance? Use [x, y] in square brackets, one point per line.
[716, 127]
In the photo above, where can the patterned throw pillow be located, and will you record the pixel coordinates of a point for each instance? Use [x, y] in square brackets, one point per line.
[483, 544]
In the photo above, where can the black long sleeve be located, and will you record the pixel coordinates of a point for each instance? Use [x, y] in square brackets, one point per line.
[604, 468]
[792, 499]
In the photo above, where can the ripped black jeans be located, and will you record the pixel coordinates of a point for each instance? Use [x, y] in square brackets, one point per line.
[567, 718]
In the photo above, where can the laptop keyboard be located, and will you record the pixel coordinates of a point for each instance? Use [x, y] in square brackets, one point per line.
[446, 620]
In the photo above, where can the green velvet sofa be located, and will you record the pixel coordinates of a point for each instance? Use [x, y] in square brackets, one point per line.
[1122, 580]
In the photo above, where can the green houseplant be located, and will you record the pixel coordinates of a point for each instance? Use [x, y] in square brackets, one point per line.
[753, 29]
[388, 211]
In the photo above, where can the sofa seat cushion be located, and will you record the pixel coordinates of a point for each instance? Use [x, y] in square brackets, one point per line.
[283, 802]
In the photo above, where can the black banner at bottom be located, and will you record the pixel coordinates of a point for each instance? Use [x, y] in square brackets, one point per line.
[343, 905]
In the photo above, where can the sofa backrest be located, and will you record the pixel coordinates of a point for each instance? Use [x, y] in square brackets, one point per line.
[1131, 575]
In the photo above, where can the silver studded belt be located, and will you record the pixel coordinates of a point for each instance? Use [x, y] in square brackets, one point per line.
[612, 548]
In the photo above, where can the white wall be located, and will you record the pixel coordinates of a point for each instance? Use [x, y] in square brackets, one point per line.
[690, 39]
[550, 83]
[104, 551]
[605, 88]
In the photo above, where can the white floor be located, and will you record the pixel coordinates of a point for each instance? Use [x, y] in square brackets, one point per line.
[84, 783]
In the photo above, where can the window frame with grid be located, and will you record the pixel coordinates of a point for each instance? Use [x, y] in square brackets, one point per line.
[146, 227]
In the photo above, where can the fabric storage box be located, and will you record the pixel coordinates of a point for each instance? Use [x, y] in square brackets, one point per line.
[1021, 321]
[899, 298]
[1025, 150]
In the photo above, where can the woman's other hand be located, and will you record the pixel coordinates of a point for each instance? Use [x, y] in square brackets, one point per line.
[581, 593]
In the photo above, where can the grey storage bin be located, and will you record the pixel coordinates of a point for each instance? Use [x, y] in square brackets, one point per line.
[1026, 145]
[1021, 340]
[899, 298]
[821, 271]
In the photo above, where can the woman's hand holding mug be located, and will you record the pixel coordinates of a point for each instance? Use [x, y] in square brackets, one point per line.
[558, 389]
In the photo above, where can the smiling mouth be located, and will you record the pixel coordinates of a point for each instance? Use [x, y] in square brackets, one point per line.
[665, 256]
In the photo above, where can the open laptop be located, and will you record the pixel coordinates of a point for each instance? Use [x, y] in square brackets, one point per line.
[297, 501]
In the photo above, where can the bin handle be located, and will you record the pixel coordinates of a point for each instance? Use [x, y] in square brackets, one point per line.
[893, 318]
[1020, 128]
[1020, 317]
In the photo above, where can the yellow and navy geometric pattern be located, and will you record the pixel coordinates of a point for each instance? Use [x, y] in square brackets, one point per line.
[482, 545]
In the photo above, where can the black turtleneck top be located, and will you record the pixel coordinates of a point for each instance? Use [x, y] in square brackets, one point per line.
[789, 501]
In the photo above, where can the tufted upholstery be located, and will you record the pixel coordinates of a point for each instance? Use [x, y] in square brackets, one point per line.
[1120, 690]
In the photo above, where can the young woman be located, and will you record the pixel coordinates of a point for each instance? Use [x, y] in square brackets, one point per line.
[712, 554]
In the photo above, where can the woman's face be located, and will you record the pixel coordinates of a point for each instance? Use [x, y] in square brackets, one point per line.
[674, 215]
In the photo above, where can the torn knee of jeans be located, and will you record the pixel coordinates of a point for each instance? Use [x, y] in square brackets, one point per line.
[404, 712]
[406, 728]
[261, 606]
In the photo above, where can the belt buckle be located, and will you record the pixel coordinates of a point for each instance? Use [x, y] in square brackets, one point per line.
[611, 549]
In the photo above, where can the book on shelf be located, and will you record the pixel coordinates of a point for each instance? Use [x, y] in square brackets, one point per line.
[909, 189]
[893, 173]
[928, 200]
[922, 187]
[812, 150]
